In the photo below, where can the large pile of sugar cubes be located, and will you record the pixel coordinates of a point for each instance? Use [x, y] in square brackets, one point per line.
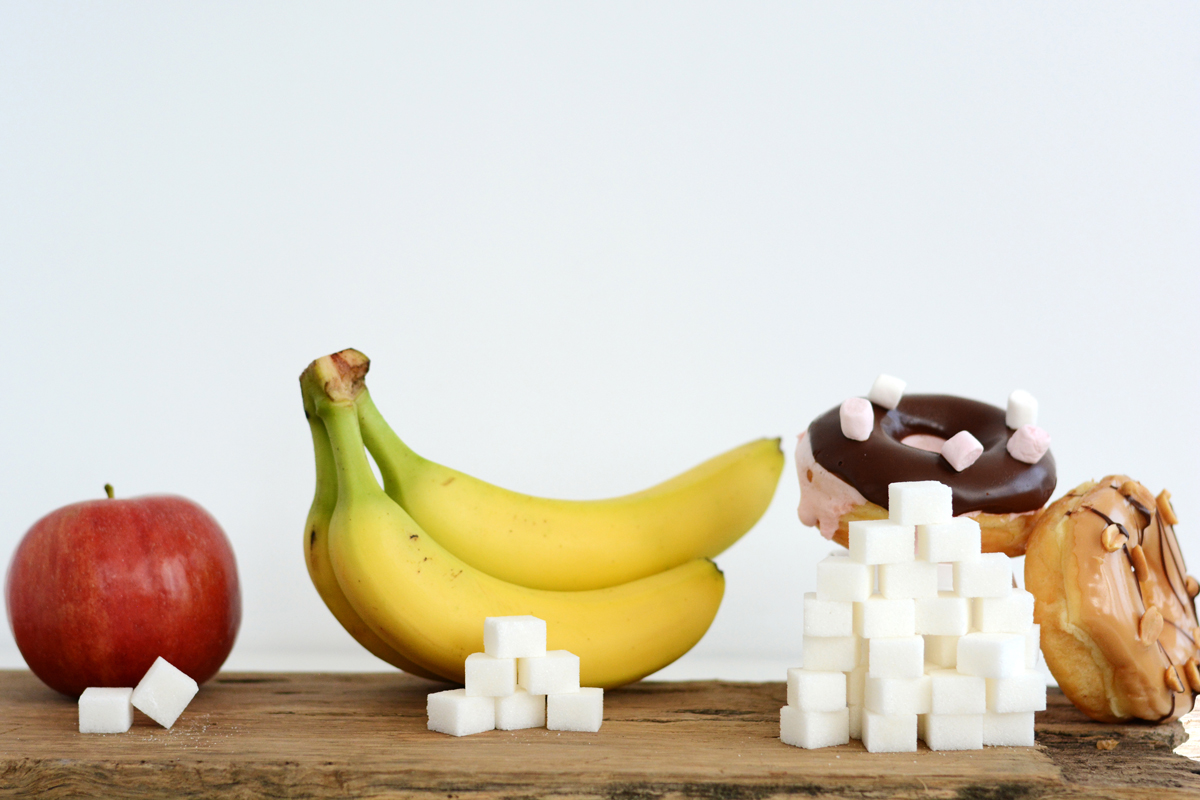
[890, 659]
[516, 683]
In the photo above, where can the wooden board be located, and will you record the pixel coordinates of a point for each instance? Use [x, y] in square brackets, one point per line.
[356, 735]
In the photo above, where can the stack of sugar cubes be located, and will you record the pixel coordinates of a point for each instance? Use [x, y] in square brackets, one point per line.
[890, 659]
[516, 683]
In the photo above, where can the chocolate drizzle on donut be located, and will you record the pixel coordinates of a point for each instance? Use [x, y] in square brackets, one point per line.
[996, 483]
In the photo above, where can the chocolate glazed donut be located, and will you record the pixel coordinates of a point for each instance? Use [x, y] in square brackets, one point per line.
[996, 483]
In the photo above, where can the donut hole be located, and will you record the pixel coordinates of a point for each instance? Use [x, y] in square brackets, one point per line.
[924, 441]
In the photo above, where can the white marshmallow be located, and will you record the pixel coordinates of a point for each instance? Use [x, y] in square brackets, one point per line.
[490, 677]
[881, 541]
[1023, 692]
[956, 693]
[814, 729]
[840, 579]
[1008, 730]
[898, 657]
[1012, 613]
[827, 617]
[959, 539]
[858, 419]
[557, 672]
[830, 653]
[514, 637]
[991, 655]
[898, 695]
[454, 713]
[947, 614]
[163, 692]
[879, 616]
[952, 731]
[105, 710]
[581, 710]
[961, 450]
[520, 710]
[889, 733]
[990, 575]
[1022, 409]
[912, 579]
[816, 691]
[886, 391]
[920, 503]
[1028, 444]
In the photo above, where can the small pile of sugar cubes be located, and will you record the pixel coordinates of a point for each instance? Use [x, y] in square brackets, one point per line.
[516, 683]
[162, 694]
[890, 659]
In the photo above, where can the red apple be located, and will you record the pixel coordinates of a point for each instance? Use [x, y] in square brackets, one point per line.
[97, 590]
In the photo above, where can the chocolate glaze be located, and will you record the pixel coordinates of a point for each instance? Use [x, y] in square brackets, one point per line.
[996, 484]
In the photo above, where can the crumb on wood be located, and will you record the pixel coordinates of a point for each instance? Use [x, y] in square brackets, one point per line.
[1106, 744]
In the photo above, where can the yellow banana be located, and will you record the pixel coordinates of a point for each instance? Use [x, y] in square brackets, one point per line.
[573, 545]
[430, 606]
[316, 548]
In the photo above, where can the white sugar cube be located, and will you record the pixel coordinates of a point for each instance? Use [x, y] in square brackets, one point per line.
[881, 541]
[840, 579]
[920, 503]
[990, 575]
[856, 716]
[105, 710]
[816, 691]
[454, 713]
[1012, 613]
[898, 695]
[942, 651]
[991, 655]
[1008, 730]
[896, 657]
[827, 617]
[556, 672]
[910, 579]
[514, 637]
[831, 653]
[883, 617]
[813, 729]
[1033, 646]
[856, 680]
[954, 693]
[1022, 409]
[490, 677]
[582, 710]
[886, 391]
[1023, 692]
[520, 710]
[889, 733]
[947, 614]
[958, 539]
[163, 692]
[953, 731]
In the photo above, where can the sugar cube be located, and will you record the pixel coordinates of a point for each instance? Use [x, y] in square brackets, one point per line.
[886, 391]
[1022, 409]
[881, 541]
[514, 637]
[896, 657]
[958, 539]
[554, 673]
[991, 655]
[813, 729]
[827, 617]
[961, 450]
[1023, 692]
[954, 693]
[989, 575]
[582, 710]
[898, 695]
[946, 614]
[856, 685]
[909, 579]
[942, 651]
[163, 692]
[889, 733]
[105, 710]
[884, 617]
[953, 731]
[830, 653]
[1008, 730]
[1012, 613]
[920, 503]
[454, 713]
[490, 677]
[816, 691]
[857, 418]
[840, 579]
[1033, 646]
[520, 710]
[856, 715]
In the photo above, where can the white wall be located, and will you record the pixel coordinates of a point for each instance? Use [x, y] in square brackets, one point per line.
[585, 247]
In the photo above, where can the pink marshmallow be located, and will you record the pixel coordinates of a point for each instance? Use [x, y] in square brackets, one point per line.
[961, 450]
[858, 419]
[1028, 444]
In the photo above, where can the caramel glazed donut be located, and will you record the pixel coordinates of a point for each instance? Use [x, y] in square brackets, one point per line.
[1115, 602]
[843, 480]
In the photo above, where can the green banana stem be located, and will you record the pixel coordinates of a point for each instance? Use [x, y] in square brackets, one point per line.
[398, 464]
[355, 480]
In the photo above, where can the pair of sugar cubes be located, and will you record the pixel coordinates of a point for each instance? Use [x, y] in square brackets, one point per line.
[516, 683]
[162, 694]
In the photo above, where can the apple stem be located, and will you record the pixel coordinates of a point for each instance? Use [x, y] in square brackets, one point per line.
[108, 490]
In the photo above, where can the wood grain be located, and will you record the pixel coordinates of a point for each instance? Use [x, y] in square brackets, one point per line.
[356, 735]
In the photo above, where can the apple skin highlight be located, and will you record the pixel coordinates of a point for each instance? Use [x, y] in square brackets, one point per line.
[97, 590]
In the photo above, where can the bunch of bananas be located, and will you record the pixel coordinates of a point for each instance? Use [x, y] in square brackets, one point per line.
[412, 568]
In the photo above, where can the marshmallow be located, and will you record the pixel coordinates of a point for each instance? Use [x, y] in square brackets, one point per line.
[886, 391]
[961, 450]
[1022, 409]
[858, 418]
[1028, 444]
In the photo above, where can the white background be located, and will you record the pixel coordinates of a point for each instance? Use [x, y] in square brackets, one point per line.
[585, 246]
